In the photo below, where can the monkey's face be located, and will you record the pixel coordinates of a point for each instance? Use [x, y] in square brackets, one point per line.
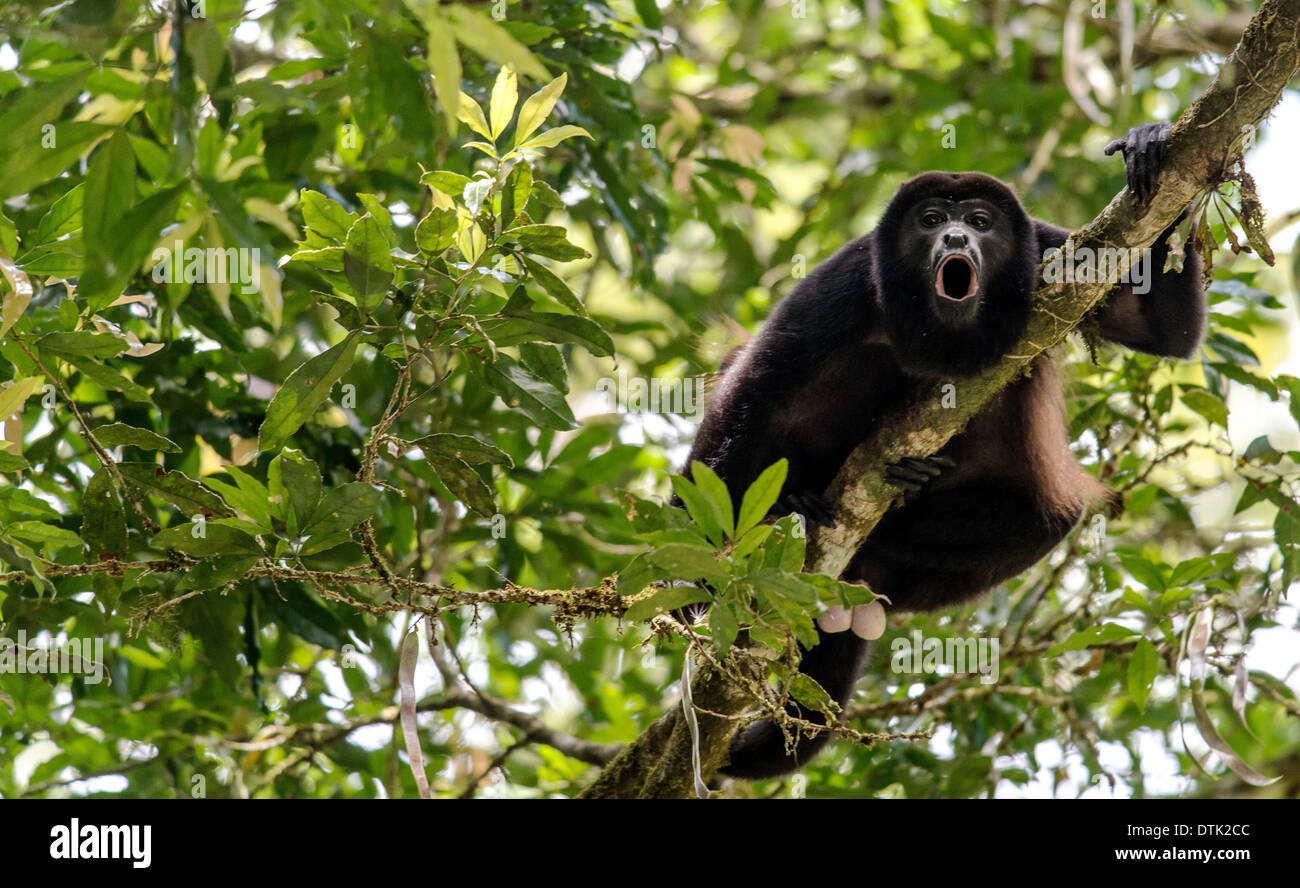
[957, 247]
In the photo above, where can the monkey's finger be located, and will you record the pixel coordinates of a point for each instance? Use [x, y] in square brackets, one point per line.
[946, 461]
[812, 507]
[1155, 153]
[836, 619]
[904, 477]
[821, 510]
[1117, 145]
[1137, 174]
[923, 465]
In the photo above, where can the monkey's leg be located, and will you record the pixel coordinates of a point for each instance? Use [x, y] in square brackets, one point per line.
[950, 545]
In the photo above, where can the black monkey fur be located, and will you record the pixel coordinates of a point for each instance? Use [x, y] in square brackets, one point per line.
[858, 337]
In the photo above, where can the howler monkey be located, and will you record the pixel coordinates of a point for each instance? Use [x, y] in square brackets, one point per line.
[941, 289]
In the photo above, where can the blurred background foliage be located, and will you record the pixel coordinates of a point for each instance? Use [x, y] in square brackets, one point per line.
[733, 146]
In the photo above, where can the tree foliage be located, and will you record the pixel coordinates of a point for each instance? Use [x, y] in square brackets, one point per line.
[307, 310]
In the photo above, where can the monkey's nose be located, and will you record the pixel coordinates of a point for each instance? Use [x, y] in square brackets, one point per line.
[954, 239]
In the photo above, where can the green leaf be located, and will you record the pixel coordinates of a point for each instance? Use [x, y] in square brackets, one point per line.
[1208, 405]
[140, 658]
[464, 483]
[725, 623]
[110, 190]
[762, 495]
[117, 434]
[665, 599]
[751, 540]
[217, 572]
[444, 61]
[207, 539]
[833, 591]
[487, 38]
[304, 391]
[326, 218]
[715, 491]
[253, 502]
[23, 112]
[1090, 636]
[699, 508]
[368, 263]
[451, 184]
[44, 534]
[103, 517]
[436, 231]
[343, 508]
[546, 362]
[514, 197]
[537, 108]
[1142, 667]
[1145, 572]
[780, 585]
[1195, 569]
[685, 561]
[109, 379]
[465, 447]
[552, 137]
[649, 12]
[176, 488]
[17, 296]
[126, 246]
[15, 396]
[558, 289]
[470, 114]
[305, 616]
[546, 240]
[17, 556]
[82, 344]
[505, 96]
[519, 388]
[812, 695]
[295, 481]
[547, 326]
[12, 462]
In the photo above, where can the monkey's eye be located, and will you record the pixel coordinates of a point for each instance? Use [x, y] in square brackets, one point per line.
[931, 218]
[980, 221]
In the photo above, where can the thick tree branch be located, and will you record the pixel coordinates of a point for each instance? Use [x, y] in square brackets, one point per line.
[1202, 147]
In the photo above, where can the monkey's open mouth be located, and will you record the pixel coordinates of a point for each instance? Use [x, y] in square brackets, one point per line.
[956, 278]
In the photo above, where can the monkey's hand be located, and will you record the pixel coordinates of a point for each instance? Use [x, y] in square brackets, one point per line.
[913, 475]
[1144, 150]
[810, 504]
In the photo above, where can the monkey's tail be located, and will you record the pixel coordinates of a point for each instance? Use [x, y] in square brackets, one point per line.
[758, 752]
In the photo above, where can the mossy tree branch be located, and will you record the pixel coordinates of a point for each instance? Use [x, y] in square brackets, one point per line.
[1204, 144]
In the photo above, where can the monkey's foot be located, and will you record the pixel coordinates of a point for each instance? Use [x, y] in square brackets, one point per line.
[912, 475]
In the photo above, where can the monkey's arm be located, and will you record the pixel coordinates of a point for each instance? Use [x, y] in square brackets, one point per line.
[762, 399]
[1155, 311]
[1159, 312]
